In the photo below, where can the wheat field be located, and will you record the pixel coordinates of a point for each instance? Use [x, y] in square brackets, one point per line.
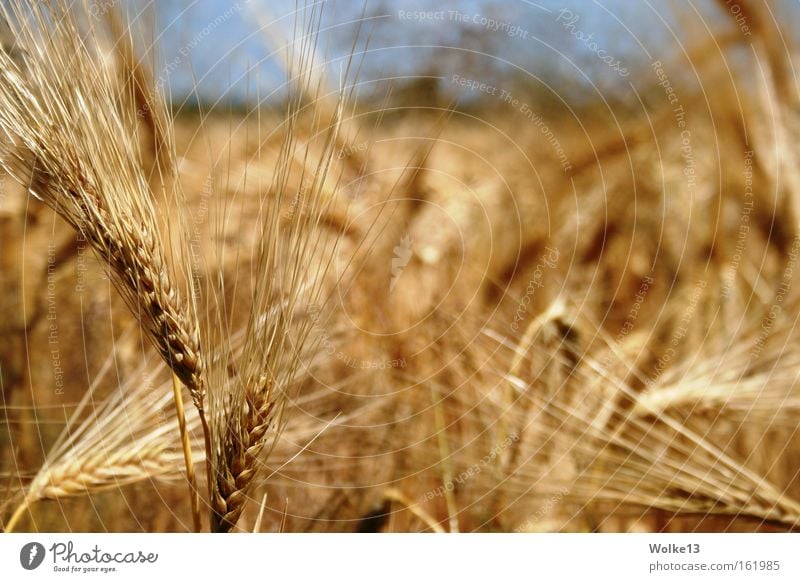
[450, 304]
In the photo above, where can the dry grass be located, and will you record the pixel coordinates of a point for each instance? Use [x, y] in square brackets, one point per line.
[440, 331]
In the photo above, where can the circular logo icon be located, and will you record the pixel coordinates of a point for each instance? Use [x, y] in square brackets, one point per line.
[31, 555]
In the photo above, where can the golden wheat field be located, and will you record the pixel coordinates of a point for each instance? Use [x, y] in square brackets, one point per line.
[463, 297]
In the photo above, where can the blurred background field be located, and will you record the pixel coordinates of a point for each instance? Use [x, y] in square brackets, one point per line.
[564, 295]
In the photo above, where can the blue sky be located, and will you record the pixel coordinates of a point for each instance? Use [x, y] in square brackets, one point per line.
[224, 47]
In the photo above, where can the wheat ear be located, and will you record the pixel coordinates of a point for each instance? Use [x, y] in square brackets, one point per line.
[77, 152]
[291, 266]
[123, 441]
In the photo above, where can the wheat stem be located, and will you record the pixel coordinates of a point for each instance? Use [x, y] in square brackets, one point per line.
[398, 496]
[187, 453]
[282, 527]
[444, 453]
[17, 515]
[257, 526]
